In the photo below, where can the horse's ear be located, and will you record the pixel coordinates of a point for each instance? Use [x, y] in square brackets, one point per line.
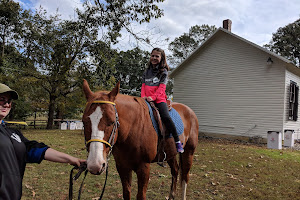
[86, 89]
[112, 95]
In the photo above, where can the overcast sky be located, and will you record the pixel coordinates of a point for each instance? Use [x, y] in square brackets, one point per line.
[254, 20]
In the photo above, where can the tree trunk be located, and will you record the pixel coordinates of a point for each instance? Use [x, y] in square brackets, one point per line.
[59, 116]
[34, 120]
[51, 112]
[3, 45]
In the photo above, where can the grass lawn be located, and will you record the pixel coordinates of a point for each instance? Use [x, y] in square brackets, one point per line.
[221, 170]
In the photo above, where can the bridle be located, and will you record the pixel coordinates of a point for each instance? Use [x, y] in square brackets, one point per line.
[109, 143]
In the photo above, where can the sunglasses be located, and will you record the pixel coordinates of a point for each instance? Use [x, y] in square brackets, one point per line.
[4, 101]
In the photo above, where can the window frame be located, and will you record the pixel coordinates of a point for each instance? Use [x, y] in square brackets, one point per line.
[293, 101]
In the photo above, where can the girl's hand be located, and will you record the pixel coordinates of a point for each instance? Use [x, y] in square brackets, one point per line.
[149, 99]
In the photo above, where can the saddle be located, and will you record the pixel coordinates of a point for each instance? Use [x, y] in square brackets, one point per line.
[157, 116]
[161, 155]
[165, 147]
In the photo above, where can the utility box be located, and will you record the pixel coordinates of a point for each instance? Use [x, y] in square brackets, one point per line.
[79, 125]
[72, 125]
[274, 140]
[63, 126]
[289, 138]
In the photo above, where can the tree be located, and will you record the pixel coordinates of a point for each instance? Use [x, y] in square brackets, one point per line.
[59, 50]
[57, 54]
[104, 60]
[185, 44]
[64, 51]
[12, 74]
[286, 42]
[10, 14]
[130, 68]
[116, 15]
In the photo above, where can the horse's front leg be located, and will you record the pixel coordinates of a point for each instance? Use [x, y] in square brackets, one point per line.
[126, 178]
[143, 173]
[174, 171]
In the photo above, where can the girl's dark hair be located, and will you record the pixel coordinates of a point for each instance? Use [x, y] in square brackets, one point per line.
[163, 63]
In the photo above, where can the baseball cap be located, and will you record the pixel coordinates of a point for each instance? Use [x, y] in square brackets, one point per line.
[5, 88]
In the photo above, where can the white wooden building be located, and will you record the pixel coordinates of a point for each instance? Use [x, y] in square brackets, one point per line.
[233, 90]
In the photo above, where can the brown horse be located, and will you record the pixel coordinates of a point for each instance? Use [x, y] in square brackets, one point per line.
[134, 142]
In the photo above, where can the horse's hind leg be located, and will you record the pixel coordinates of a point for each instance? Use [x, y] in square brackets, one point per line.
[186, 160]
[174, 171]
[126, 178]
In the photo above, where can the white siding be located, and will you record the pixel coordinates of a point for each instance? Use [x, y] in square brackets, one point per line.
[289, 124]
[231, 89]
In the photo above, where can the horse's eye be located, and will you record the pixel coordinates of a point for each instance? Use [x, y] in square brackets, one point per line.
[110, 123]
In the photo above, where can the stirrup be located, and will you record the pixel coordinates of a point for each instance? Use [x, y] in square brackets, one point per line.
[163, 163]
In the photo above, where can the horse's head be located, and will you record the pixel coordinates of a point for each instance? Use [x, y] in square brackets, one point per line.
[100, 121]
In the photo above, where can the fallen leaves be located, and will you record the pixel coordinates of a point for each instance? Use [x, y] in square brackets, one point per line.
[249, 165]
[30, 188]
[215, 183]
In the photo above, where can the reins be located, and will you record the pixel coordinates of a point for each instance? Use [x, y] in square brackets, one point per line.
[83, 167]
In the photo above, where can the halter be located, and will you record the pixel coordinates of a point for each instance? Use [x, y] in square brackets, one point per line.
[84, 167]
[113, 133]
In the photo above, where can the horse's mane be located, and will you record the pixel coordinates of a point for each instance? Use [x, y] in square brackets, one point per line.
[141, 101]
[133, 99]
[124, 97]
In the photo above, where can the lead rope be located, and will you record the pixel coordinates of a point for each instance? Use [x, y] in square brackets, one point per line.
[103, 189]
[83, 168]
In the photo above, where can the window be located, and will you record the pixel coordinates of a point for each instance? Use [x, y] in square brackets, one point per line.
[293, 101]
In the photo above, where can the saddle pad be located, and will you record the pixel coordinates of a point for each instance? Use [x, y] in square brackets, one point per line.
[174, 116]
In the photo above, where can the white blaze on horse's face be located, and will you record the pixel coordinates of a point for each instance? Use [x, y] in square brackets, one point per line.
[96, 162]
